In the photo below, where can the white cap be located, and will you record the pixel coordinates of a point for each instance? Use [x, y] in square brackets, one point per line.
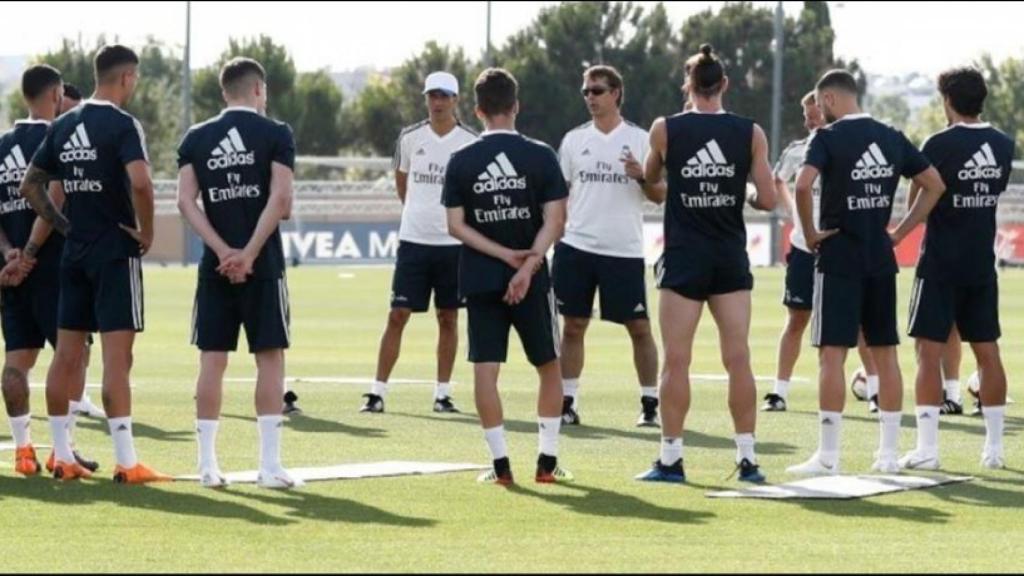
[441, 81]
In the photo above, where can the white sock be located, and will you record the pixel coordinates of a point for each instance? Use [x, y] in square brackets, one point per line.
[442, 390]
[495, 438]
[745, 448]
[994, 416]
[781, 388]
[671, 451]
[829, 436]
[72, 424]
[889, 443]
[73, 406]
[124, 444]
[571, 387]
[206, 433]
[270, 441]
[20, 430]
[61, 444]
[872, 386]
[379, 389]
[649, 392]
[548, 429]
[928, 429]
[952, 388]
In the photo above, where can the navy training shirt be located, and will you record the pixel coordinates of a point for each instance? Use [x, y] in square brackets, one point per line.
[16, 214]
[88, 149]
[975, 161]
[502, 181]
[232, 155]
[707, 162]
[860, 161]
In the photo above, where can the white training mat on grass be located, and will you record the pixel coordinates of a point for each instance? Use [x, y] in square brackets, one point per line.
[842, 487]
[355, 471]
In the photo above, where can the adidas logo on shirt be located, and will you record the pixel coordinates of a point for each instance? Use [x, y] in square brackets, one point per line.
[78, 148]
[421, 152]
[13, 168]
[709, 162]
[872, 165]
[981, 166]
[230, 152]
[499, 176]
[586, 152]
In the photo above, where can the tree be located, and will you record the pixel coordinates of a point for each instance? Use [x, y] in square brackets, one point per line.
[319, 128]
[378, 117]
[891, 109]
[281, 75]
[1004, 107]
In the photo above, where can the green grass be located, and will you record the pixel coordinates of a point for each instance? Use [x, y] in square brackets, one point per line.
[604, 522]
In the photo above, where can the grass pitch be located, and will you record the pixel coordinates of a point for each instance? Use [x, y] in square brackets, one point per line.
[605, 522]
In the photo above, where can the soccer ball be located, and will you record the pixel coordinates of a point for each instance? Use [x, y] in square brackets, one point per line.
[859, 384]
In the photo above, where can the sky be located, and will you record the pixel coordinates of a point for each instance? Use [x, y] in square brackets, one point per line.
[888, 38]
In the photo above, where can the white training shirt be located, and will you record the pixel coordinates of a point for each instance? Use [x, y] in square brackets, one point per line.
[424, 155]
[605, 205]
[786, 169]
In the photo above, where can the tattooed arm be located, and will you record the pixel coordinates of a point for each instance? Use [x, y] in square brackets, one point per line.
[33, 189]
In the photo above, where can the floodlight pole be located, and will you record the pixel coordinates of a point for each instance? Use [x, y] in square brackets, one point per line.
[488, 56]
[776, 135]
[186, 72]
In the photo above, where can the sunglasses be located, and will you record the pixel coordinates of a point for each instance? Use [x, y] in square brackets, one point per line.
[596, 91]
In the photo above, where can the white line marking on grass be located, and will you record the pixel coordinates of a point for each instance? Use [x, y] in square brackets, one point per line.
[42, 386]
[355, 471]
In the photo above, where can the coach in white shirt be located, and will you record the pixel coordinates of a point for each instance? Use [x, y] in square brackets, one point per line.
[428, 257]
[603, 245]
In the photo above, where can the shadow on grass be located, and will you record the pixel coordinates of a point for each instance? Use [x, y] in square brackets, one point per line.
[304, 423]
[140, 430]
[591, 501]
[587, 432]
[304, 505]
[162, 499]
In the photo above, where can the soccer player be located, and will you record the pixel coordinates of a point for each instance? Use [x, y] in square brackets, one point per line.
[84, 406]
[428, 257]
[98, 151]
[603, 248]
[29, 282]
[708, 155]
[956, 283]
[799, 287]
[506, 202]
[860, 162]
[241, 164]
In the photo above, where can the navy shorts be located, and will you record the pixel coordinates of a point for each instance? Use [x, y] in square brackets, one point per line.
[221, 309]
[845, 305]
[423, 269]
[936, 306]
[698, 278]
[29, 312]
[578, 275]
[534, 319]
[799, 280]
[103, 296]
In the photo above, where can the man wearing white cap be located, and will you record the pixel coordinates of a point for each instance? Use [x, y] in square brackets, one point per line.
[428, 257]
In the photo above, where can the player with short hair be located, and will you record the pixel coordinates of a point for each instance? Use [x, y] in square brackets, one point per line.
[708, 155]
[957, 283]
[603, 247]
[240, 164]
[428, 257]
[506, 202]
[98, 151]
[860, 162]
[799, 286]
[30, 287]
